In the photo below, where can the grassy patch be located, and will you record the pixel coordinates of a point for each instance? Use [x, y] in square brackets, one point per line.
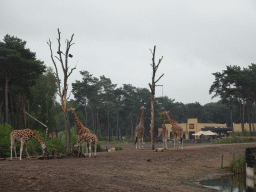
[236, 140]
[118, 147]
[237, 165]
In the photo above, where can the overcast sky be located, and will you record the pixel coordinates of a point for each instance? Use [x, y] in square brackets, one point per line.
[112, 37]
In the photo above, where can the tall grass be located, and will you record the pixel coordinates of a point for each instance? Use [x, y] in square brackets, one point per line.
[238, 164]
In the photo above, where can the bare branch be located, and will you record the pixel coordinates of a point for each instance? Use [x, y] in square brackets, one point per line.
[159, 78]
[159, 62]
[60, 57]
[71, 71]
[57, 76]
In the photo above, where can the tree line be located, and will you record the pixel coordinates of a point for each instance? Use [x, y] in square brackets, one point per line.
[29, 87]
[236, 88]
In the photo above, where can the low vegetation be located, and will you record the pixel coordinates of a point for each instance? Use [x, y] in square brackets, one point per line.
[236, 140]
[33, 146]
[118, 147]
[237, 165]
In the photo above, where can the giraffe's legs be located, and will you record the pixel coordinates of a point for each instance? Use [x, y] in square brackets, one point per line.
[26, 150]
[82, 141]
[95, 148]
[13, 146]
[21, 149]
[139, 142]
[142, 142]
[87, 146]
[90, 149]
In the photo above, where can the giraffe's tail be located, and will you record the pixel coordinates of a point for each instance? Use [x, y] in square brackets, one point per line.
[136, 140]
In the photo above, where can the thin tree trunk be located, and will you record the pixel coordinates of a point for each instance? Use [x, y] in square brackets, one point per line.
[23, 111]
[132, 133]
[117, 134]
[1, 116]
[249, 119]
[6, 98]
[85, 112]
[152, 123]
[241, 116]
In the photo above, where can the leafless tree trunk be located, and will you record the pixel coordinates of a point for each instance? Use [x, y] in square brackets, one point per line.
[6, 98]
[63, 90]
[152, 87]
[85, 111]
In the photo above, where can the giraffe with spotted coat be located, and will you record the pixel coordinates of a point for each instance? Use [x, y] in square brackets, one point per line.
[89, 139]
[177, 131]
[81, 129]
[139, 130]
[23, 136]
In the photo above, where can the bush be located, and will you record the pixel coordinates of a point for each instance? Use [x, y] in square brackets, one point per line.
[54, 144]
[118, 147]
[5, 140]
[33, 146]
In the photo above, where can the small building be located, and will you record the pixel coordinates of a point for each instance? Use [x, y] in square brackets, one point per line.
[191, 127]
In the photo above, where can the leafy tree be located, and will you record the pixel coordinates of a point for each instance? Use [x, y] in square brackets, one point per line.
[18, 66]
[5, 140]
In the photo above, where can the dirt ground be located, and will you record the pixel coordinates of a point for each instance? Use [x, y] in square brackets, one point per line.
[127, 170]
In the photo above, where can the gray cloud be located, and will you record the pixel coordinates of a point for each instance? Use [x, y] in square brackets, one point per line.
[113, 38]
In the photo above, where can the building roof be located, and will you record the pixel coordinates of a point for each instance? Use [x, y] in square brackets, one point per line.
[212, 128]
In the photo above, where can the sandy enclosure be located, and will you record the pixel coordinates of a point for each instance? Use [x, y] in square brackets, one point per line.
[127, 170]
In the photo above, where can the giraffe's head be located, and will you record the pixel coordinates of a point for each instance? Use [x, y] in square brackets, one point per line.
[164, 111]
[70, 109]
[142, 107]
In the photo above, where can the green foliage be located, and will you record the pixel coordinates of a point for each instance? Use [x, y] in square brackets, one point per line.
[5, 140]
[33, 146]
[42, 104]
[99, 147]
[118, 147]
[238, 164]
[56, 143]
[158, 139]
[236, 140]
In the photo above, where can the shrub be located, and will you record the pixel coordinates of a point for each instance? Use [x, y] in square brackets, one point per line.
[5, 140]
[33, 146]
[118, 147]
[56, 143]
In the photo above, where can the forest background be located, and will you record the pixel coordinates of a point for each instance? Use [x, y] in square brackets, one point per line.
[112, 112]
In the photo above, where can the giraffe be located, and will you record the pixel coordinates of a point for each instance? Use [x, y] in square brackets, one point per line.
[90, 139]
[164, 134]
[80, 127]
[177, 130]
[139, 130]
[23, 136]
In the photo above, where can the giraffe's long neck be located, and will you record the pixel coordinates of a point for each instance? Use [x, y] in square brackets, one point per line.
[78, 123]
[172, 121]
[142, 116]
[35, 136]
[164, 127]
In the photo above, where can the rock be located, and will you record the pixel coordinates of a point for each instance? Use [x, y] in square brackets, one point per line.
[111, 150]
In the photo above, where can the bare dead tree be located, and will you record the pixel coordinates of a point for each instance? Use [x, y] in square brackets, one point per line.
[152, 87]
[62, 91]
